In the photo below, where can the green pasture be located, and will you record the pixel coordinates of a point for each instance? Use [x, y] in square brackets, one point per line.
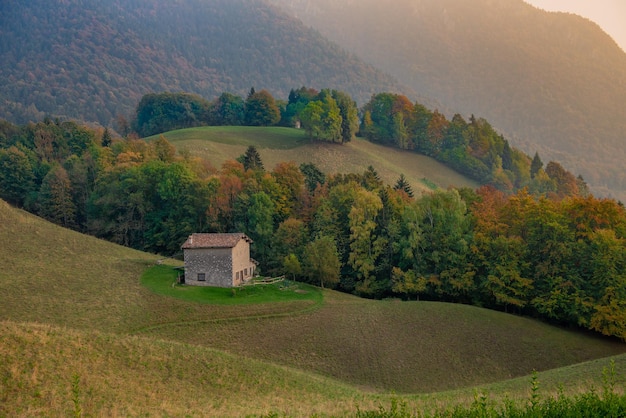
[163, 280]
[91, 325]
[217, 144]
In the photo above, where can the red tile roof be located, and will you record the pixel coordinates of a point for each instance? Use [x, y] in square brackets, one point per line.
[215, 240]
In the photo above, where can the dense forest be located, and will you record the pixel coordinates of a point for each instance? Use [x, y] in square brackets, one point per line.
[552, 82]
[93, 61]
[557, 255]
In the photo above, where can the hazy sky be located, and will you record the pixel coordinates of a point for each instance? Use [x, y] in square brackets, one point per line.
[609, 14]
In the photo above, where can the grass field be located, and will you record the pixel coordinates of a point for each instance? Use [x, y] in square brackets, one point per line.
[218, 144]
[79, 329]
[162, 279]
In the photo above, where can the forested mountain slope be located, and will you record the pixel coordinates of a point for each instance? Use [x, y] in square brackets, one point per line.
[94, 60]
[554, 82]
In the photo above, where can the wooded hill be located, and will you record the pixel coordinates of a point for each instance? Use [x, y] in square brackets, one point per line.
[551, 82]
[553, 255]
[94, 60]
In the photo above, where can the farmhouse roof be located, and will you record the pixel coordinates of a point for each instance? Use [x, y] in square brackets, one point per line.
[215, 240]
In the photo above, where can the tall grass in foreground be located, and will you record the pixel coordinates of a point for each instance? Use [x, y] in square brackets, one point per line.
[606, 403]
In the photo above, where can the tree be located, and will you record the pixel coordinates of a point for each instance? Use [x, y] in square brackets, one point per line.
[400, 132]
[252, 159]
[55, 198]
[349, 115]
[381, 122]
[228, 109]
[365, 246]
[504, 261]
[298, 99]
[117, 207]
[444, 244]
[435, 134]
[17, 177]
[403, 185]
[164, 150]
[371, 179]
[311, 118]
[261, 109]
[106, 138]
[535, 165]
[331, 120]
[292, 266]
[408, 283]
[566, 183]
[157, 113]
[313, 176]
[322, 262]
[542, 184]
[291, 188]
[290, 237]
[258, 223]
[176, 199]
[322, 119]
[607, 283]
[230, 186]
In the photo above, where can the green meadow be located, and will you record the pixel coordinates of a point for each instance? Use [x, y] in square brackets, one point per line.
[277, 144]
[89, 328]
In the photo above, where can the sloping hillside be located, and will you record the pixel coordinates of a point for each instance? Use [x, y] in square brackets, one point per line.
[58, 277]
[58, 372]
[553, 82]
[94, 60]
[276, 145]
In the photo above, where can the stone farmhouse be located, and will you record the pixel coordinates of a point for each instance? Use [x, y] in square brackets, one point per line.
[221, 260]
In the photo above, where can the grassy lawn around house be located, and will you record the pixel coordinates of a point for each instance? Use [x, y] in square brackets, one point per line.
[162, 279]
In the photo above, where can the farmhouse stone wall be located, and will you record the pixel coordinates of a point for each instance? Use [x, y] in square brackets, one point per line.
[214, 263]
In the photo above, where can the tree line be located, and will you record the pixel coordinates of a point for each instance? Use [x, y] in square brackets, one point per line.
[328, 115]
[559, 257]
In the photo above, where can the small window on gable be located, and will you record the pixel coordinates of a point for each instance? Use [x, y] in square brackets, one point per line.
[201, 277]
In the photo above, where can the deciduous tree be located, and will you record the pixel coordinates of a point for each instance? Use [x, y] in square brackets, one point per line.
[17, 177]
[322, 261]
[261, 109]
[55, 198]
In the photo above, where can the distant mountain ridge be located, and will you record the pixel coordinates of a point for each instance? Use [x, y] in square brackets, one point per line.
[94, 60]
[552, 82]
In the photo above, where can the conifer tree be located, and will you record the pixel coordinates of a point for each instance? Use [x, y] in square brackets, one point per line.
[535, 166]
[403, 184]
[106, 138]
[312, 176]
[252, 159]
[371, 179]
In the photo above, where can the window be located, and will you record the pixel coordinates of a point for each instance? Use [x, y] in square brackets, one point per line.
[201, 277]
